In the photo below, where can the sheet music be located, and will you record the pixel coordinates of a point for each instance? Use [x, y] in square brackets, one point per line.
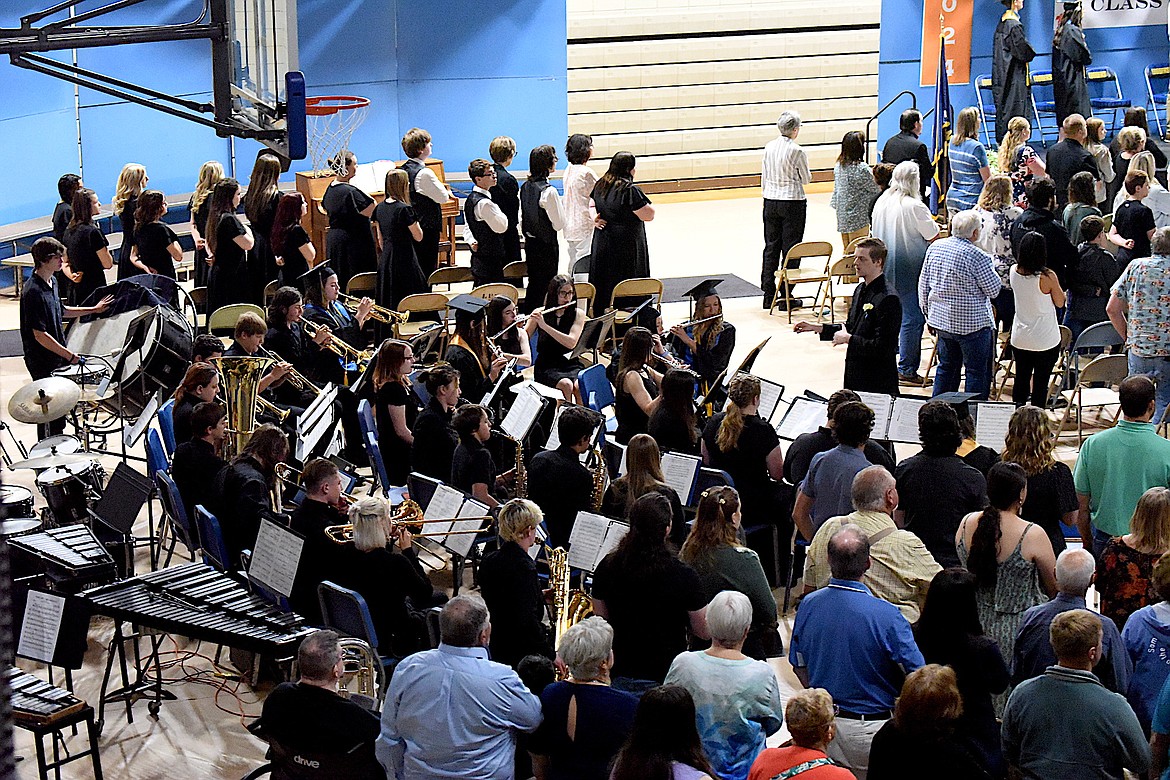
[904, 419]
[523, 413]
[371, 176]
[613, 535]
[679, 472]
[445, 503]
[586, 539]
[551, 393]
[770, 393]
[554, 436]
[882, 405]
[622, 465]
[276, 557]
[315, 422]
[991, 424]
[804, 415]
[41, 625]
[461, 543]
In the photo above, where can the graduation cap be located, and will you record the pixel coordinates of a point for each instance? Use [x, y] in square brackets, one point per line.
[957, 401]
[316, 275]
[701, 291]
[468, 306]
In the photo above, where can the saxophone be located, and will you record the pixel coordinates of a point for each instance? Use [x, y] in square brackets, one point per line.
[241, 392]
[521, 471]
[600, 476]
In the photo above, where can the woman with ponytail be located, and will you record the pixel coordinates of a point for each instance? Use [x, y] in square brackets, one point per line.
[1011, 559]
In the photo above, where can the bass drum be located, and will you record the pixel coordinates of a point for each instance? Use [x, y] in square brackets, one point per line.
[70, 490]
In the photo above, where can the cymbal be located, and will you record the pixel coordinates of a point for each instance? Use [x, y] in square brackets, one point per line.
[90, 396]
[44, 400]
[54, 460]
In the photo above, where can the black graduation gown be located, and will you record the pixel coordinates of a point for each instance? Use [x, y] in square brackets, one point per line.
[1068, 74]
[473, 379]
[1010, 55]
[871, 355]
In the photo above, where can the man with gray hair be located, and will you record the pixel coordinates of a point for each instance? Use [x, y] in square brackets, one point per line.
[857, 647]
[1139, 310]
[1075, 572]
[737, 699]
[452, 712]
[955, 290]
[783, 176]
[903, 567]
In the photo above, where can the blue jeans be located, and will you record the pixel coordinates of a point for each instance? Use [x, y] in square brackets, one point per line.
[910, 334]
[971, 351]
[1158, 369]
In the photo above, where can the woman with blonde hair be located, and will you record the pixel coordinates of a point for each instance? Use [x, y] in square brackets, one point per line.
[1052, 499]
[1130, 141]
[209, 174]
[1095, 126]
[643, 475]
[1019, 160]
[969, 167]
[399, 273]
[998, 212]
[131, 182]
[1158, 201]
[713, 550]
[1126, 569]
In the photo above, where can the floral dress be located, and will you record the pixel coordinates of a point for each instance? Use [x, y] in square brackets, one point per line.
[1021, 175]
[1124, 581]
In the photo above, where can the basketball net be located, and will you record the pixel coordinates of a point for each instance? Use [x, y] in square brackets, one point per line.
[330, 121]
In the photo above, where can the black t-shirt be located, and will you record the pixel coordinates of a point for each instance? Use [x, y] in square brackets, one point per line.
[83, 242]
[393, 394]
[61, 216]
[472, 464]
[747, 461]
[434, 442]
[40, 309]
[153, 241]
[295, 263]
[1051, 495]
[672, 433]
[305, 717]
[649, 612]
[935, 493]
[561, 487]
[1133, 219]
[806, 446]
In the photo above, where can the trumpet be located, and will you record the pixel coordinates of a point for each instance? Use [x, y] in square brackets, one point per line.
[378, 313]
[336, 345]
[294, 377]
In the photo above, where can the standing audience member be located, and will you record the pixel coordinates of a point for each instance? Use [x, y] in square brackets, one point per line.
[737, 700]
[1094, 276]
[1133, 221]
[1069, 156]
[854, 190]
[1127, 563]
[1129, 142]
[1040, 217]
[557, 481]
[904, 224]
[997, 213]
[543, 219]
[810, 717]
[1102, 157]
[452, 712]
[855, 646]
[784, 174]
[949, 632]
[907, 147]
[1139, 309]
[1051, 499]
[1019, 160]
[1081, 203]
[1146, 637]
[505, 193]
[1042, 739]
[968, 159]
[1115, 467]
[807, 445]
[579, 182]
[1158, 199]
[664, 743]
[619, 249]
[825, 491]
[925, 735]
[955, 292]
[1075, 572]
[904, 567]
[1136, 117]
[1035, 338]
[585, 720]
[1160, 735]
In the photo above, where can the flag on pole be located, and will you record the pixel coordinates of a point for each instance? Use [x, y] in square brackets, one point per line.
[943, 123]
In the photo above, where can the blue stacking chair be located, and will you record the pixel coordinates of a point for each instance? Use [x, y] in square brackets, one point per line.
[1043, 102]
[215, 552]
[176, 515]
[370, 441]
[346, 612]
[166, 424]
[986, 117]
[597, 392]
[1098, 77]
[156, 456]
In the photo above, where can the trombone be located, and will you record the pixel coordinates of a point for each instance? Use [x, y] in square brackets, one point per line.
[377, 313]
[336, 345]
[408, 518]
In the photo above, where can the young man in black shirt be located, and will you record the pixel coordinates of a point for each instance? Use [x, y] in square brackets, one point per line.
[320, 556]
[197, 461]
[557, 482]
[472, 469]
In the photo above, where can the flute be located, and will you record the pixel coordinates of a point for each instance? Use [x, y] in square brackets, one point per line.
[689, 323]
[524, 318]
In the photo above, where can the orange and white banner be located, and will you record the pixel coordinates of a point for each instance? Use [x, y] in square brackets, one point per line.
[956, 36]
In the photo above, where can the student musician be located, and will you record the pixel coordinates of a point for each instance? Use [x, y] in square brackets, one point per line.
[557, 481]
[287, 338]
[396, 407]
[674, 424]
[248, 339]
[508, 335]
[321, 557]
[427, 196]
[558, 325]
[506, 194]
[322, 290]
[240, 495]
[205, 347]
[434, 438]
[200, 385]
[636, 388]
[473, 470]
[643, 475]
[470, 352]
[197, 462]
[542, 220]
[706, 343]
[486, 225]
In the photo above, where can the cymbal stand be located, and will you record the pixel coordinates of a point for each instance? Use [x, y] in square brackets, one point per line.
[20, 448]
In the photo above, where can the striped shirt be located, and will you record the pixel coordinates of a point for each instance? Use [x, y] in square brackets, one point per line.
[785, 170]
[956, 287]
[967, 158]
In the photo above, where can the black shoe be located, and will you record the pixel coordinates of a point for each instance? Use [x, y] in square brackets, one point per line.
[789, 304]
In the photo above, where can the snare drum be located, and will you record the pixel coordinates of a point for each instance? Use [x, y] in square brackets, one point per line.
[64, 444]
[87, 374]
[11, 528]
[15, 502]
[69, 490]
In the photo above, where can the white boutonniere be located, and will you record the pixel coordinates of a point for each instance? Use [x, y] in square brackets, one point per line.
[866, 307]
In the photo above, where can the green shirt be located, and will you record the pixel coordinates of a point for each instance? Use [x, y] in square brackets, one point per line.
[1115, 467]
[738, 568]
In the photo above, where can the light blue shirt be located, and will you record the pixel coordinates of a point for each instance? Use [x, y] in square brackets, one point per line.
[451, 712]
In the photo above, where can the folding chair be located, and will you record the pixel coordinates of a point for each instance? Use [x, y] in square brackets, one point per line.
[362, 284]
[489, 291]
[156, 456]
[597, 393]
[517, 269]
[449, 275]
[1095, 339]
[843, 272]
[986, 118]
[198, 296]
[787, 278]
[420, 303]
[1106, 372]
[1157, 78]
[370, 441]
[1101, 76]
[270, 291]
[638, 289]
[222, 321]
[585, 291]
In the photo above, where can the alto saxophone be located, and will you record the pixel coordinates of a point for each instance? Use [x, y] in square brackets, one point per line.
[600, 476]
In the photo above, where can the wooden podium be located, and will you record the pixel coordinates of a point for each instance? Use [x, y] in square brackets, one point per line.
[316, 222]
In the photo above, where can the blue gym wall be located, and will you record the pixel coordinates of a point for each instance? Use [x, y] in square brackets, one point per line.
[1125, 49]
[465, 70]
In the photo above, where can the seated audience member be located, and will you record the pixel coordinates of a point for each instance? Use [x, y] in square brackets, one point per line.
[1051, 499]
[1092, 279]
[1013, 564]
[240, 497]
[936, 487]
[1033, 652]
[321, 557]
[1127, 564]
[643, 476]
[737, 699]
[197, 460]
[809, 716]
[713, 550]
[200, 385]
[824, 493]
[904, 567]
[1041, 736]
[309, 715]
[673, 424]
[1116, 466]
[664, 741]
[1146, 637]
[585, 720]
[972, 452]
[807, 445]
[924, 737]
[949, 633]
[450, 711]
[856, 647]
[649, 597]
[434, 438]
[1160, 735]
[472, 469]
[385, 570]
[510, 588]
[557, 482]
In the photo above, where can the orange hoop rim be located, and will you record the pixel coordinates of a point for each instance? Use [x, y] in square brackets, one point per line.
[325, 105]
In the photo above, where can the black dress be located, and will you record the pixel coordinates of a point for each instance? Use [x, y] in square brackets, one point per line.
[395, 451]
[871, 357]
[154, 241]
[262, 259]
[295, 264]
[552, 358]
[228, 281]
[83, 242]
[631, 419]
[349, 244]
[199, 217]
[619, 250]
[399, 273]
[1010, 55]
[1068, 74]
[434, 442]
[126, 217]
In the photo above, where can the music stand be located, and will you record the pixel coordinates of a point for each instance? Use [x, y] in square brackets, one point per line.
[750, 360]
[593, 335]
[117, 509]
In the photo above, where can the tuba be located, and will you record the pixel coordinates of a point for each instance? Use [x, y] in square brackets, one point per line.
[364, 671]
[241, 393]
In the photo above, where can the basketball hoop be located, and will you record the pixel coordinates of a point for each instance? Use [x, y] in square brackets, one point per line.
[331, 120]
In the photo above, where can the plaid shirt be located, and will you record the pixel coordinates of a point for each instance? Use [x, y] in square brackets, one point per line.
[1145, 288]
[956, 287]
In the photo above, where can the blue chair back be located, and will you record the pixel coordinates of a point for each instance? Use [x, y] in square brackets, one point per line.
[156, 456]
[366, 418]
[596, 390]
[346, 612]
[532, 341]
[172, 503]
[215, 551]
[370, 442]
[166, 424]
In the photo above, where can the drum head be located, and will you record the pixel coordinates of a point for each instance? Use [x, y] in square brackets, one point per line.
[60, 474]
[10, 528]
[63, 444]
[89, 374]
[14, 494]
